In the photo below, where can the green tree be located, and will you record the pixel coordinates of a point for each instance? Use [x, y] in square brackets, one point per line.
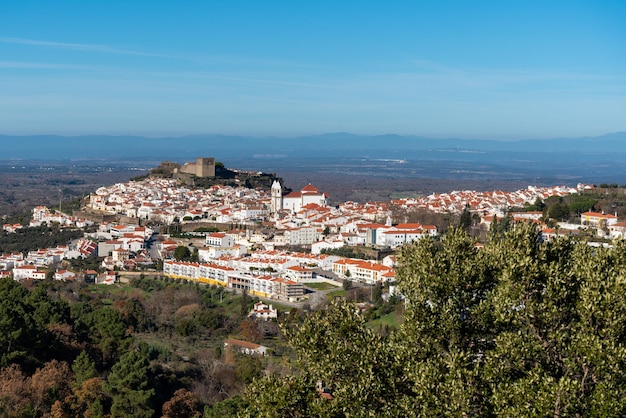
[537, 206]
[465, 221]
[245, 304]
[48, 313]
[230, 407]
[348, 359]
[248, 368]
[500, 226]
[581, 203]
[127, 385]
[446, 326]
[134, 314]
[182, 253]
[106, 329]
[559, 211]
[518, 328]
[84, 368]
[21, 337]
[290, 397]
[377, 294]
[559, 346]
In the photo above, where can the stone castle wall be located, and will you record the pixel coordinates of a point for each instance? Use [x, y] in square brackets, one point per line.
[203, 167]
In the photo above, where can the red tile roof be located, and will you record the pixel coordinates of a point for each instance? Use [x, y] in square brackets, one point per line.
[240, 343]
[309, 188]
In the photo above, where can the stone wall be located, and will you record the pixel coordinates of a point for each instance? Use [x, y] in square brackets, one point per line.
[202, 167]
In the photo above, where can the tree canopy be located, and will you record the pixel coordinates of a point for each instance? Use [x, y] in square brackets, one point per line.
[517, 328]
[73, 349]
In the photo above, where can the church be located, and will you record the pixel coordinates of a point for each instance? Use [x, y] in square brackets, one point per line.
[294, 201]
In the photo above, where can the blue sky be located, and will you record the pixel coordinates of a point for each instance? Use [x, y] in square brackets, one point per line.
[470, 69]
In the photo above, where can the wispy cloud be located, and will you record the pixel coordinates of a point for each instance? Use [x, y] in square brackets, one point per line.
[228, 60]
[84, 47]
[28, 65]
[426, 66]
[428, 76]
[475, 75]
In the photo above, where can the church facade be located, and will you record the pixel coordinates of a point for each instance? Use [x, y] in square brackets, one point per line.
[294, 201]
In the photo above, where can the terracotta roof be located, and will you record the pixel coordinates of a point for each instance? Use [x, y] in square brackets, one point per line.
[599, 215]
[408, 226]
[309, 188]
[298, 268]
[240, 343]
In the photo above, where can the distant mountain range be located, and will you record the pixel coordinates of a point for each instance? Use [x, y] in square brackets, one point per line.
[334, 145]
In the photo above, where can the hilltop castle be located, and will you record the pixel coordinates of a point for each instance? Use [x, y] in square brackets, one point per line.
[203, 167]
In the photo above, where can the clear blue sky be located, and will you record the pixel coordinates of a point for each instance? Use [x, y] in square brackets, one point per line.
[488, 69]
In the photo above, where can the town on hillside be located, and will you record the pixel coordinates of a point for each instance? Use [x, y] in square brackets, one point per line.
[269, 242]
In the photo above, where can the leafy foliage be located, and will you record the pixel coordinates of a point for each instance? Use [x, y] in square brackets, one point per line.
[518, 328]
[337, 350]
[182, 253]
[559, 211]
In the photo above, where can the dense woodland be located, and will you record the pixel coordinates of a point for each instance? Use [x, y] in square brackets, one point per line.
[151, 349]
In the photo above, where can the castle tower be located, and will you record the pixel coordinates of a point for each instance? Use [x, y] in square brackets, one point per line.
[205, 167]
[276, 197]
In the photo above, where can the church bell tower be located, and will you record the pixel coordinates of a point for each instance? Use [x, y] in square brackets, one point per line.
[277, 197]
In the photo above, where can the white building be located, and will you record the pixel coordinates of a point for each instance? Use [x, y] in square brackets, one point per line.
[211, 253]
[219, 239]
[294, 201]
[28, 272]
[299, 274]
[317, 247]
[262, 311]
[301, 236]
[600, 220]
[401, 234]
[64, 275]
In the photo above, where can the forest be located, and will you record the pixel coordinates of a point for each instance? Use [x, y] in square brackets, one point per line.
[150, 349]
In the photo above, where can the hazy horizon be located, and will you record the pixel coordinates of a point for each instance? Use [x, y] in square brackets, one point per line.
[320, 134]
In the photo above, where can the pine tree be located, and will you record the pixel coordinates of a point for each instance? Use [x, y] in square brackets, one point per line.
[84, 368]
[127, 385]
